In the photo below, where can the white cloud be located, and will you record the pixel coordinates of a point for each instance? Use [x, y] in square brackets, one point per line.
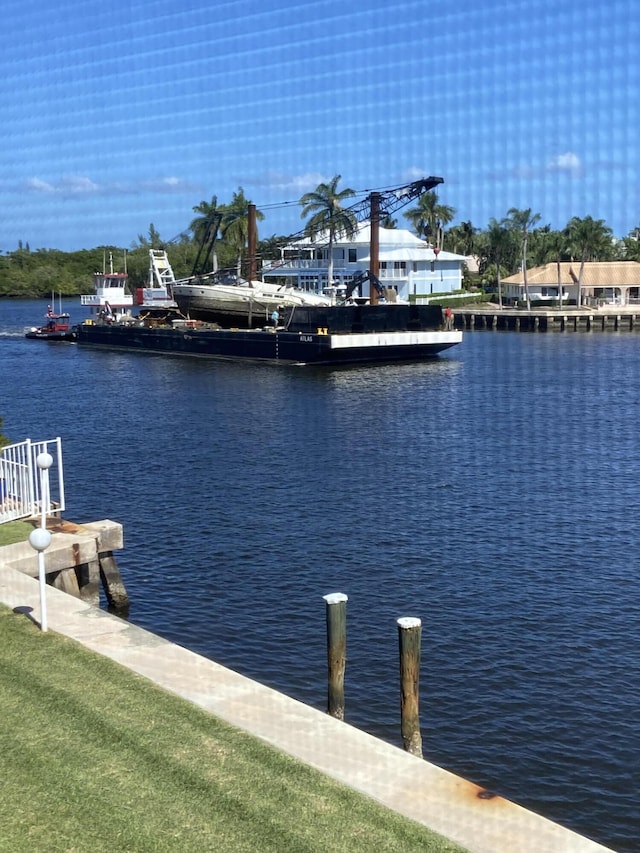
[77, 185]
[37, 186]
[288, 183]
[169, 185]
[414, 173]
[67, 185]
[567, 162]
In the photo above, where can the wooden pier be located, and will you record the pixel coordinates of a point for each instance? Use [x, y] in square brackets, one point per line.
[78, 561]
[607, 319]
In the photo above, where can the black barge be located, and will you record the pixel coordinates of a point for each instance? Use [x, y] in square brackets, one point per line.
[339, 334]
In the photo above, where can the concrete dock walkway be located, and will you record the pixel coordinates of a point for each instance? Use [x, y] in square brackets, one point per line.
[445, 803]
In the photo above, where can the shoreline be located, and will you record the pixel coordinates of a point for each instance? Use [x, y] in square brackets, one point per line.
[449, 805]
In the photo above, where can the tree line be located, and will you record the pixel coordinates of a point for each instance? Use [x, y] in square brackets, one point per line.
[517, 241]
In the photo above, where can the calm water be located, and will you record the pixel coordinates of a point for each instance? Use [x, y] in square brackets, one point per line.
[493, 493]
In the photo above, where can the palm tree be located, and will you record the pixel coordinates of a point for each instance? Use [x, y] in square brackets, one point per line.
[235, 225]
[324, 204]
[462, 238]
[631, 245]
[429, 218]
[153, 241]
[498, 238]
[523, 221]
[588, 238]
[202, 225]
[553, 246]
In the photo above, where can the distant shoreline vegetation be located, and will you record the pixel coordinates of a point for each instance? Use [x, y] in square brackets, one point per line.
[500, 250]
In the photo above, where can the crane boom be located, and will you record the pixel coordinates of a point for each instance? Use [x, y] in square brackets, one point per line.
[391, 200]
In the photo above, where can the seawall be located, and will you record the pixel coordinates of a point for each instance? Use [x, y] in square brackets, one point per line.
[460, 810]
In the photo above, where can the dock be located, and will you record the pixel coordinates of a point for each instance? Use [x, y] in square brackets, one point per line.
[79, 561]
[492, 318]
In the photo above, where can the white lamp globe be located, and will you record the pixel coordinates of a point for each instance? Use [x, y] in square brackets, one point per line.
[44, 460]
[39, 539]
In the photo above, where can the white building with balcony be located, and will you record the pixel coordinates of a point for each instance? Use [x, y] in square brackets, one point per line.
[408, 264]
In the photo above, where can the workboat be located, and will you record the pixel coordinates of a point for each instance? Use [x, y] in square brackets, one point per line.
[111, 299]
[113, 302]
[231, 301]
[57, 327]
[327, 334]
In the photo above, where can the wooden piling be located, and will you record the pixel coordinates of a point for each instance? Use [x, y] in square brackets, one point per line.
[112, 582]
[336, 652]
[409, 636]
[88, 575]
[65, 580]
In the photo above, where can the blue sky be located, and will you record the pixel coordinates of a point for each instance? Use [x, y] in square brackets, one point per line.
[120, 114]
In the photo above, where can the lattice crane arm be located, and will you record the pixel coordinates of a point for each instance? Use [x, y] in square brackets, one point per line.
[391, 200]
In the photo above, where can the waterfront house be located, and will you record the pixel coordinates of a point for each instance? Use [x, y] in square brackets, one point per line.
[408, 265]
[603, 282]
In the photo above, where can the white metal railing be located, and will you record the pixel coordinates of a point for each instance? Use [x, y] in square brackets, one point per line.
[20, 483]
[297, 264]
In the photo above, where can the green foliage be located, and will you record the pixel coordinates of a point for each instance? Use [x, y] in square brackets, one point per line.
[235, 227]
[447, 301]
[31, 275]
[502, 246]
[324, 208]
[429, 218]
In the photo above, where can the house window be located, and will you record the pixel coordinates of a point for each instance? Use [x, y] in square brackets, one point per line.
[399, 265]
[414, 266]
[353, 256]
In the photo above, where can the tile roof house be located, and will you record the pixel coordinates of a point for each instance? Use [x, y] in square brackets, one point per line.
[611, 282]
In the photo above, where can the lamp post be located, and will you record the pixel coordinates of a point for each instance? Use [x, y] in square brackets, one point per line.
[40, 537]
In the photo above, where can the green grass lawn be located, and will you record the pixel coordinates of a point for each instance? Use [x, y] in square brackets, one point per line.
[93, 757]
[14, 531]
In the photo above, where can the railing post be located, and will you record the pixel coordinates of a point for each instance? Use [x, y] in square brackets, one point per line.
[336, 652]
[409, 636]
[40, 537]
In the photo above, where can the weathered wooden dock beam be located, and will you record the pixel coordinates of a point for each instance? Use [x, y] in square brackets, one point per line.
[78, 561]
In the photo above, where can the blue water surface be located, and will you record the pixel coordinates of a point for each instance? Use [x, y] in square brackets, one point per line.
[493, 493]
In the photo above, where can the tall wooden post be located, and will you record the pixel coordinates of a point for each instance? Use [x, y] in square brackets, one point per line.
[409, 635]
[374, 244]
[336, 652]
[112, 584]
[252, 242]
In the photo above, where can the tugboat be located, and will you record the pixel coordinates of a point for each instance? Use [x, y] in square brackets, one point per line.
[111, 300]
[57, 327]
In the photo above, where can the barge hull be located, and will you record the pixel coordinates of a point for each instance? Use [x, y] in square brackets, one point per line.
[281, 346]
